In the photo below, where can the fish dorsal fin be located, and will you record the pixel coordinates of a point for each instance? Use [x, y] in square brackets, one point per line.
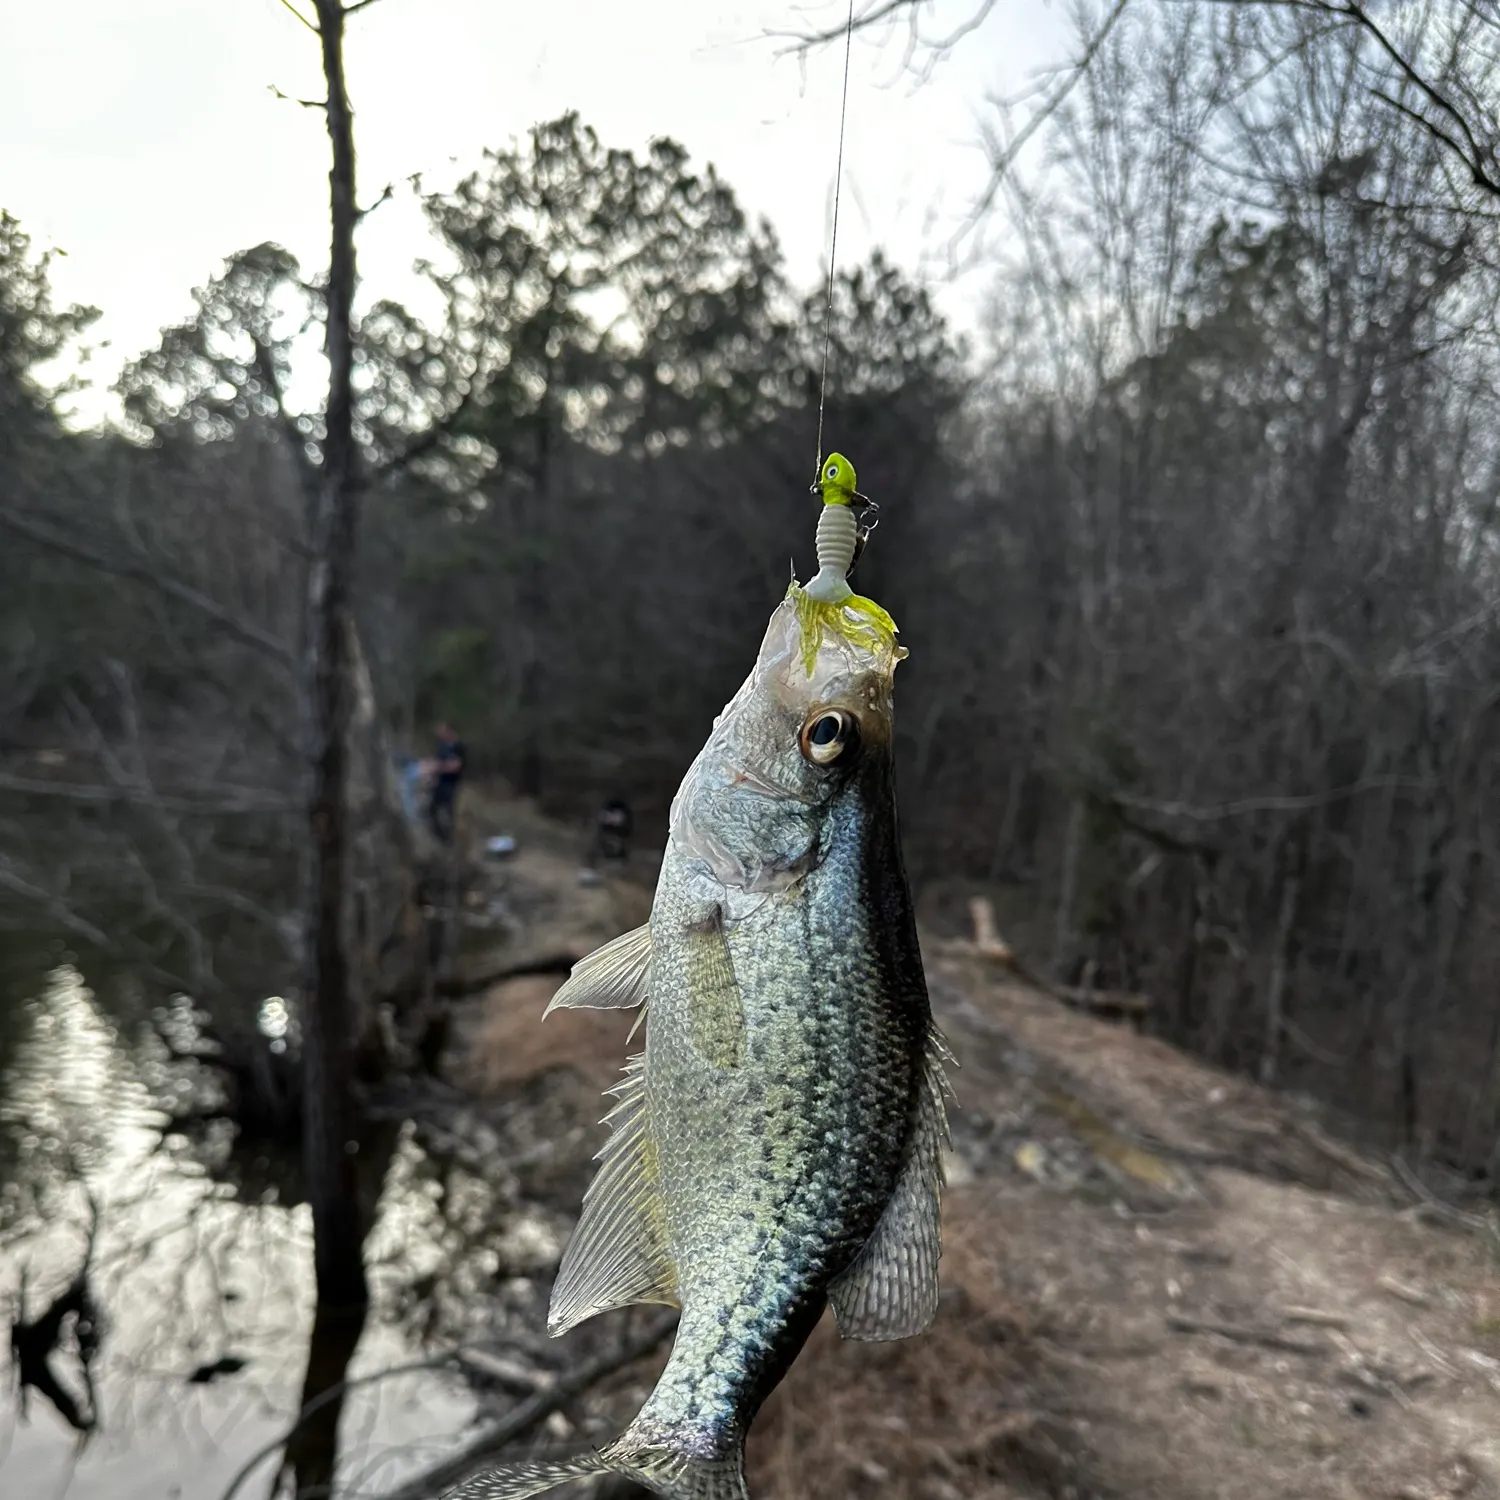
[618, 1253]
[715, 1011]
[891, 1290]
[614, 977]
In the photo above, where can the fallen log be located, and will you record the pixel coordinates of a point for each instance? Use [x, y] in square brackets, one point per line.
[1117, 1004]
[988, 944]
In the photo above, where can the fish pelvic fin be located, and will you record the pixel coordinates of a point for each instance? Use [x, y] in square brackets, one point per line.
[675, 1476]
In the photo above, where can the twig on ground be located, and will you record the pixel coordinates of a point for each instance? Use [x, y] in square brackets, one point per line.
[1431, 1350]
[1430, 1200]
[1315, 1317]
[1400, 1290]
[1238, 1335]
[1341, 1156]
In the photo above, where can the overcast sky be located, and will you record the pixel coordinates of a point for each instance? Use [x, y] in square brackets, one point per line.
[142, 137]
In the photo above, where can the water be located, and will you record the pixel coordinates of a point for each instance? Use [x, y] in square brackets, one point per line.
[198, 1260]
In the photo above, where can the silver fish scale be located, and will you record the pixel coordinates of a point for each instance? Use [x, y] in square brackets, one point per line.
[775, 1171]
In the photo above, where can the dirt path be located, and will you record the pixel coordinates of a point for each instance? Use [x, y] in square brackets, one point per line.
[1158, 1281]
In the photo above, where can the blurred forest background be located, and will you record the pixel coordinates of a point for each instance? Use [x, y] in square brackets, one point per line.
[1194, 545]
[1194, 542]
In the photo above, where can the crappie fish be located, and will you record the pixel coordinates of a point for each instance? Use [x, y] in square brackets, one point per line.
[777, 1147]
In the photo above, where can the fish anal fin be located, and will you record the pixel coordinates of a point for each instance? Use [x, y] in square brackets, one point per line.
[715, 1011]
[614, 977]
[618, 1253]
[520, 1480]
[891, 1290]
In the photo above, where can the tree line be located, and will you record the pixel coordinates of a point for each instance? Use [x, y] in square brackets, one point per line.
[1193, 542]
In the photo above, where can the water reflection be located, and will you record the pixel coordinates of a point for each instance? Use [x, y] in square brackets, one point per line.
[155, 1268]
[70, 1321]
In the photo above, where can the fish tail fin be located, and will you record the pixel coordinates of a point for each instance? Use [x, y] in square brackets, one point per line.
[676, 1476]
[679, 1476]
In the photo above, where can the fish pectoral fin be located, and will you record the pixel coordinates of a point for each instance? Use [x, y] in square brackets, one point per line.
[618, 1253]
[614, 977]
[715, 1011]
[891, 1290]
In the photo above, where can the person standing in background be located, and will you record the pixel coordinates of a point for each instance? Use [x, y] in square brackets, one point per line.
[609, 840]
[613, 830]
[448, 770]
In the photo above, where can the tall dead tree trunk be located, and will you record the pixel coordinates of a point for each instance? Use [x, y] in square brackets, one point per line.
[1270, 1057]
[534, 595]
[1064, 939]
[330, 1013]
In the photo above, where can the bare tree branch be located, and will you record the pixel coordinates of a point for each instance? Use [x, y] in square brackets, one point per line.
[292, 99]
[322, 1399]
[293, 9]
[387, 193]
[1002, 155]
[208, 801]
[1002, 161]
[1481, 177]
[1470, 150]
[1474, 155]
[245, 631]
[1243, 805]
[883, 10]
[490, 1440]
[57, 910]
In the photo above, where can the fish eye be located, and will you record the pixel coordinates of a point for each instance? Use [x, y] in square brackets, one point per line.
[831, 472]
[829, 735]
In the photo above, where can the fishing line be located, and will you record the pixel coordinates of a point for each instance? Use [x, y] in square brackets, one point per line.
[833, 245]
